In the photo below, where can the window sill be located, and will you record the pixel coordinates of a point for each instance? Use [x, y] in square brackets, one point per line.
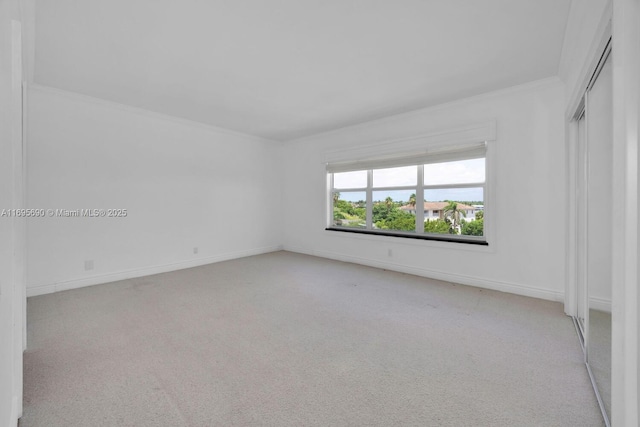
[429, 237]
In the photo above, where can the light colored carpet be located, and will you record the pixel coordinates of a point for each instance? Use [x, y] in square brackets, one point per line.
[285, 339]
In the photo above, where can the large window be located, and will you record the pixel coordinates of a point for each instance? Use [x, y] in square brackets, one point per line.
[439, 195]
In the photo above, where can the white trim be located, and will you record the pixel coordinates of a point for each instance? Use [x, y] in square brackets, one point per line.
[571, 230]
[490, 183]
[28, 15]
[329, 200]
[15, 411]
[144, 271]
[420, 198]
[625, 395]
[25, 197]
[148, 113]
[496, 285]
[369, 215]
[600, 40]
[600, 304]
[18, 224]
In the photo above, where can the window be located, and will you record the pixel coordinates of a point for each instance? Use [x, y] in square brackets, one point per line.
[439, 195]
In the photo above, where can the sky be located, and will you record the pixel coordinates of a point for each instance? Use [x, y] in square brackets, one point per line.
[458, 172]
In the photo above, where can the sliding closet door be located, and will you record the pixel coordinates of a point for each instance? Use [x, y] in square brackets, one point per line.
[599, 144]
[581, 227]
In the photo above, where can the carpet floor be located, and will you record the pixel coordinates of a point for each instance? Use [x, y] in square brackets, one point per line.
[284, 339]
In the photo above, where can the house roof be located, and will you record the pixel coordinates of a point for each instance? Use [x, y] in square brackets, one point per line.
[430, 206]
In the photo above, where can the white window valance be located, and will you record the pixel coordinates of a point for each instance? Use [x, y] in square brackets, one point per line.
[439, 146]
[426, 156]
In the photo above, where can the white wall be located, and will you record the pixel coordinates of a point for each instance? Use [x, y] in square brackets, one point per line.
[526, 257]
[184, 185]
[11, 292]
[6, 226]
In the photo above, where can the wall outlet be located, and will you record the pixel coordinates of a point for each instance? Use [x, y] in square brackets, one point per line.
[195, 250]
[389, 253]
[88, 265]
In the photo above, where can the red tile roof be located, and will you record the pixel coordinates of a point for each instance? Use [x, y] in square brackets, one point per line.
[438, 206]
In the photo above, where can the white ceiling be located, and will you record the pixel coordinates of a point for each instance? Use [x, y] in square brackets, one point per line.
[283, 69]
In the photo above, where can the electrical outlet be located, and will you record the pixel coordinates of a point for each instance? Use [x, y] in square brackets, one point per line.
[390, 253]
[195, 250]
[88, 265]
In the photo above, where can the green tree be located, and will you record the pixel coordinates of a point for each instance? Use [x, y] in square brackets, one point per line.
[479, 215]
[388, 202]
[438, 226]
[346, 213]
[397, 219]
[412, 200]
[344, 206]
[474, 228]
[380, 212]
[453, 216]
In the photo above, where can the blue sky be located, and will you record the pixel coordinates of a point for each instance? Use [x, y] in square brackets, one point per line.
[459, 172]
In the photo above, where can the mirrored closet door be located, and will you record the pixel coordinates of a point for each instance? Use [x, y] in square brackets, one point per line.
[594, 229]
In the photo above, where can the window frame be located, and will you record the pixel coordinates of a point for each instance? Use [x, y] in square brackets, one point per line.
[449, 153]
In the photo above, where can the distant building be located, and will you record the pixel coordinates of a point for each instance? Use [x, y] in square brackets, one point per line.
[435, 210]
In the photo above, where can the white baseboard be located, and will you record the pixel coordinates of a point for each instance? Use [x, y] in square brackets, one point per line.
[145, 271]
[513, 288]
[15, 412]
[478, 282]
[600, 304]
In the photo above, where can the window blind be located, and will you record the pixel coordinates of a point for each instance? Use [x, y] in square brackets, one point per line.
[433, 155]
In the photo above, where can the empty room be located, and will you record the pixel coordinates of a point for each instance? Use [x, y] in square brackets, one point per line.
[319, 213]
